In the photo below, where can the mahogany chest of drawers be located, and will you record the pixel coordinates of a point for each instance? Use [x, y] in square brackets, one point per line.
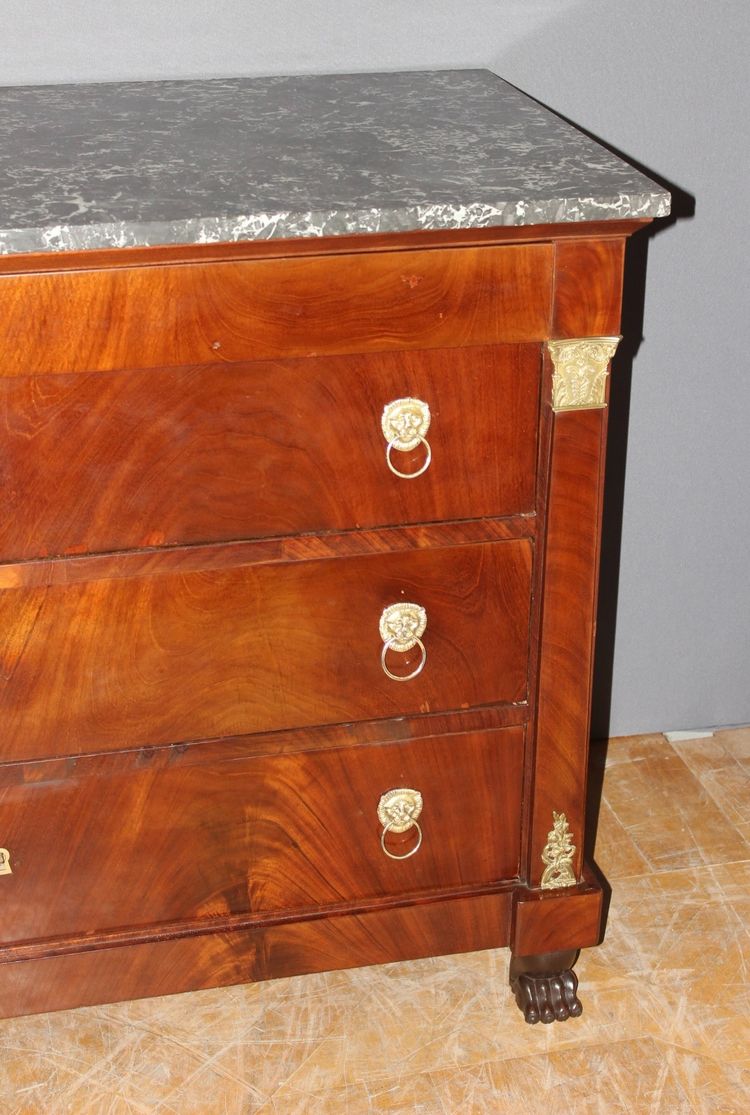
[299, 558]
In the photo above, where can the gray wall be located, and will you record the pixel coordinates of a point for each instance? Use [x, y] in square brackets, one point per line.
[664, 81]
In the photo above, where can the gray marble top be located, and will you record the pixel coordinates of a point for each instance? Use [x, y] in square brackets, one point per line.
[188, 162]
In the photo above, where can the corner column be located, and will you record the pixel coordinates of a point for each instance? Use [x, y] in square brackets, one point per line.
[558, 911]
[577, 375]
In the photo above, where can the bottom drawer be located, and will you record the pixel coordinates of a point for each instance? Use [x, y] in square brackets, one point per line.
[114, 849]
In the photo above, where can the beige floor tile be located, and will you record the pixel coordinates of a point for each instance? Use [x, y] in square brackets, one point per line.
[349, 1100]
[633, 749]
[616, 853]
[713, 1088]
[678, 951]
[397, 1020]
[629, 1078]
[212, 1090]
[46, 1057]
[635, 1077]
[668, 814]
[726, 745]
[143, 1071]
[722, 764]
[734, 880]
[669, 924]
[446, 1020]
[415, 1094]
[95, 1102]
[291, 1009]
[265, 1033]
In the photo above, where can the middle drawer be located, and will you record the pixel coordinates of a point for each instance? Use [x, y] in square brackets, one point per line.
[170, 656]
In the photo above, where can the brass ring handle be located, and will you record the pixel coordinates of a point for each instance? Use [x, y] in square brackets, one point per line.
[405, 423]
[389, 828]
[408, 475]
[398, 811]
[401, 628]
[389, 645]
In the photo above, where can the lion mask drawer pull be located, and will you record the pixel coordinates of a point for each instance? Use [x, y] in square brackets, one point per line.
[405, 423]
[401, 626]
[398, 811]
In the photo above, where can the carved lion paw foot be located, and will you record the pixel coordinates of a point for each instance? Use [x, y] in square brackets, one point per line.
[547, 998]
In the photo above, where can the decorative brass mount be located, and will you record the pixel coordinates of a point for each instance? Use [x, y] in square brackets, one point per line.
[558, 855]
[402, 625]
[398, 811]
[579, 381]
[401, 628]
[405, 423]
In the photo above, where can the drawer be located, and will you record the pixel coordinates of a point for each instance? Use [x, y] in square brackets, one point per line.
[101, 851]
[212, 313]
[179, 655]
[182, 455]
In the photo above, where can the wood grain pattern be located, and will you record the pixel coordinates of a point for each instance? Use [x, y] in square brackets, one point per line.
[552, 921]
[319, 737]
[147, 458]
[213, 313]
[567, 630]
[216, 959]
[161, 561]
[102, 665]
[287, 833]
[587, 301]
[588, 286]
[88, 942]
[206, 722]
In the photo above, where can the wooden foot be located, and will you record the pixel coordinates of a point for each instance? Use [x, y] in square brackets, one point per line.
[545, 986]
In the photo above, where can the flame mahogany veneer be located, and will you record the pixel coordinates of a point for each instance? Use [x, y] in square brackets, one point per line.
[198, 537]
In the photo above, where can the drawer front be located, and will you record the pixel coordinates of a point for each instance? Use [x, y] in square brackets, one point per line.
[103, 851]
[185, 455]
[172, 656]
[212, 313]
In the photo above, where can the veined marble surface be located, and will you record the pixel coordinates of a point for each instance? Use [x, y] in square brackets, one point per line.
[191, 162]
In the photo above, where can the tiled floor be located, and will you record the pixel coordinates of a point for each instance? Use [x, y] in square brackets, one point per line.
[666, 998]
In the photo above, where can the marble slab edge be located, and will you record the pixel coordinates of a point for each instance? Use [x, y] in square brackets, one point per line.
[332, 222]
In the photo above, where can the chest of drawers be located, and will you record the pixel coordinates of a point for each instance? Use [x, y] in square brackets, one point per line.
[299, 552]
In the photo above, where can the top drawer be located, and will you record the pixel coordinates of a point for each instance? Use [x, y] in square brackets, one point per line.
[131, 459]
[206, 402]
[211, 313]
